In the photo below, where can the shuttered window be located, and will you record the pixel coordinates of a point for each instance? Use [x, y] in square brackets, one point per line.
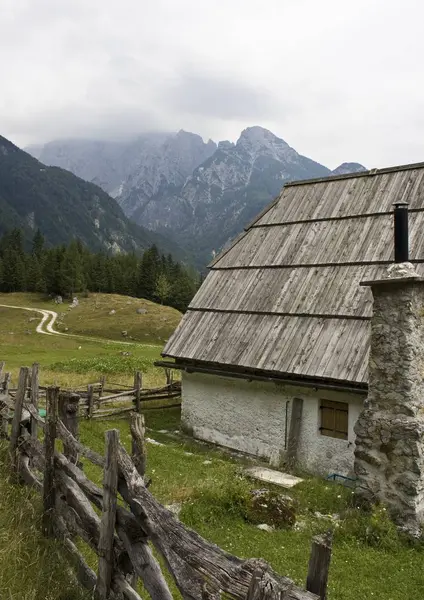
[334, 419]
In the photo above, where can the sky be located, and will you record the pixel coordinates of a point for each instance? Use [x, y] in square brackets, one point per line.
[339, 81]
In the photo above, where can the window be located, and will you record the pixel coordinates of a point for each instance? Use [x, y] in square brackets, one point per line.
[334, 419]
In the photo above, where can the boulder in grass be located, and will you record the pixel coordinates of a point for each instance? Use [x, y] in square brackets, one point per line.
[141, 311]
[271, 507]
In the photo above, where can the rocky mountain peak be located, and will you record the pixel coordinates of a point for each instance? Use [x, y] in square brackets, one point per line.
[258, 141]
[225, 145]
[348, 167]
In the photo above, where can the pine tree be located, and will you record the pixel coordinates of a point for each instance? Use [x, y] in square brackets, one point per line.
[71, 278]
[182, 291]
[162, 288]
[35, 278]
[148, 273]
[14, 275]
[38, 244]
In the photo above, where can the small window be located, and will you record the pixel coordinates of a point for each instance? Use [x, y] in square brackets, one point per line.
[334, 419]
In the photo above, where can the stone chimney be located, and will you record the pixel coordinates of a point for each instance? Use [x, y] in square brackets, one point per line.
[389, 451]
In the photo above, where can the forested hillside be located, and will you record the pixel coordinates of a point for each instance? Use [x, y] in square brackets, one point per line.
[72, 269]
[63, 206]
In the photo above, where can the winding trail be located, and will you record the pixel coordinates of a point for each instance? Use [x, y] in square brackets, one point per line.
[48, 315]
[46, 327]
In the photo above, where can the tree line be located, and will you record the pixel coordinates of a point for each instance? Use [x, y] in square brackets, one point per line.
[71, 269]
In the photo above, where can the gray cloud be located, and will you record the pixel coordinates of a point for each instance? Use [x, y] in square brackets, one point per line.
[338, 84]
[220, 97]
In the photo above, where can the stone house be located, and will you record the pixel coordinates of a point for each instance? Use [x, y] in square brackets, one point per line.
[274, 348]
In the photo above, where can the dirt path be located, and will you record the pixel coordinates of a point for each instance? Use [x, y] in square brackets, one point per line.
[46, 327]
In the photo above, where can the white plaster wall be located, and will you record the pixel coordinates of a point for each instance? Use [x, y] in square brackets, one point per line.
[251, 417]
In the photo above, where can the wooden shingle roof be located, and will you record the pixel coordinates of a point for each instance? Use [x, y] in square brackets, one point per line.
[285, 297]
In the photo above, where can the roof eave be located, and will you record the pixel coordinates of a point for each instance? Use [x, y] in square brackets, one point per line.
[191, 366]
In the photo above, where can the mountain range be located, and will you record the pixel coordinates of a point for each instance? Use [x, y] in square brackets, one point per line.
[201, 194]
[63, 207]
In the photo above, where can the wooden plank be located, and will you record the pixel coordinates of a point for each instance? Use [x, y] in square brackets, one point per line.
[49, 491]
[319, 564]
[17, 417]
[34, 393]
[294, 432]
[138, 435]
[68, 414]
[107, 525]
[137, 386]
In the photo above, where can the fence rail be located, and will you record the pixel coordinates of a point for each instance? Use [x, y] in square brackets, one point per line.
[131, 520]
[94, 398]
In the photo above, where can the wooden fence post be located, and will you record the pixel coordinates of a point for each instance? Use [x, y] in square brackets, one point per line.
[68, 414]
[102, 387]
[138, 432]
[35, 385]
[2, 365]
[137, 386]
[49, 491]
[4, 426]
[90, 401]
[319, 564]
[294, 432]
[17, 417]
[6, 383]
[107, 525]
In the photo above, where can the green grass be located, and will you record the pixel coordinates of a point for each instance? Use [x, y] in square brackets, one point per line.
[31, 567]
[74, 361]
[370, 559]
[92, 318]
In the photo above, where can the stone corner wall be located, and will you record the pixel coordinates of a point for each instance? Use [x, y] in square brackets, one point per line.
[389, 450]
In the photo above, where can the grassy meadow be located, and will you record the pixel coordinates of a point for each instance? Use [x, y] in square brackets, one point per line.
[370, 559]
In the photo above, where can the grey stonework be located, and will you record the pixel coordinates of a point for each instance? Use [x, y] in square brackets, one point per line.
[389, 450]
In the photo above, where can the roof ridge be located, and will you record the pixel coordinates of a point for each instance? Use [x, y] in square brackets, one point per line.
[369, 173]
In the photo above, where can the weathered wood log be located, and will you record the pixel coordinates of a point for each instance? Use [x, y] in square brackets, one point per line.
[6, 382]
[16, 422]
[82, 450]
[85, 575]
[137, 386]
[101, 390]
[191, 559]
[35, 415]
[90, 401]
[145, 564]
[107, 525]
[129, 531]
[319, 564]
[34, 393]
[2, 365]
[27, 475]
[138, 435]
[68, 414]
[49, 491]
[124, 394]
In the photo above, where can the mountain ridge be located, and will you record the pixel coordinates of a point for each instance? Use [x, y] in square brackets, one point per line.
[201, 193]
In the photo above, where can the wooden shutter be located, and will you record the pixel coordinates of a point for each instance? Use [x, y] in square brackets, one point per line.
[334, 419]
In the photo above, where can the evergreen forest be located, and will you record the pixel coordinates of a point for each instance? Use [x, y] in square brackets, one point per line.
[72, 269]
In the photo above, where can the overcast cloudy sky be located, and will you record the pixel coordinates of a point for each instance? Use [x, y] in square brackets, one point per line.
[337, 80]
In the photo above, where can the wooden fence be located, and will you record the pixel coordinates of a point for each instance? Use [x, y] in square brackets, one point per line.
[98, 400]
[122, 520]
